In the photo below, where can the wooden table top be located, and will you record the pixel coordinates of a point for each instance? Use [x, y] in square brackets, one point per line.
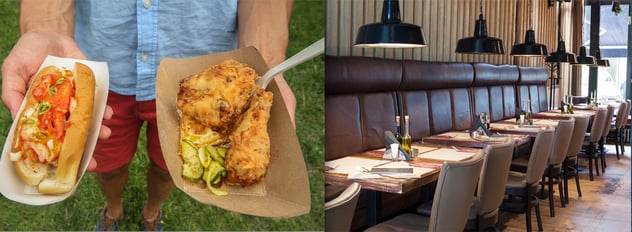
[557, 114]
[392, 184]
[463, 139]
[509, 126]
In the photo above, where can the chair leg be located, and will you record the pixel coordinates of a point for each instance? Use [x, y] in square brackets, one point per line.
[617, 140]
[565, 168]
[622, 143]
[528, 209]
[596, 160]
[579, 189]
[602, 154]
[594, 156]
[590, 164]
[538, 217]
[550, 187]
[562, 194]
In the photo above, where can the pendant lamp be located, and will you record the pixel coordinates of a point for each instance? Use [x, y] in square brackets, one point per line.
[390, 32]
[601, 62]
[585, 59]
[480, 42]
[561, 55]
[529, 47]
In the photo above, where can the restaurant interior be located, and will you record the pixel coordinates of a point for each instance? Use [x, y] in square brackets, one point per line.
[493, 115]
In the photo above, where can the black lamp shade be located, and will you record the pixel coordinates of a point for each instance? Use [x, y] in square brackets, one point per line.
[584, 59]
[391, 32]
[529, 47]
[601, 62]
[391, 35]
[561, 55]
[480, 43]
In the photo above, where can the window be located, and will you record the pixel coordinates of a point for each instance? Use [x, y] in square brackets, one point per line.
[613, 34]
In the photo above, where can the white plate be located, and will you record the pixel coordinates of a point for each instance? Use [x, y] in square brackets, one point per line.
[12, 187]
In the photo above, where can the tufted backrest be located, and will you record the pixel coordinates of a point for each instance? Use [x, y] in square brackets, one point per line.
[493, 90]
[360, 103]
[439, 92]
[532, 85]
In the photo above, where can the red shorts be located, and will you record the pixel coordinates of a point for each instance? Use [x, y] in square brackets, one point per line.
[126, 122]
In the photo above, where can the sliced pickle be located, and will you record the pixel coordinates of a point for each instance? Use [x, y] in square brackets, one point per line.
[214, 153]
[213, 175]
[192, 167]
[222, 152]
[204, 157]
[192, 171]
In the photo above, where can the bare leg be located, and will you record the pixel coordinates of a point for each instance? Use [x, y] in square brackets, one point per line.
[159, 186]
[112, 186]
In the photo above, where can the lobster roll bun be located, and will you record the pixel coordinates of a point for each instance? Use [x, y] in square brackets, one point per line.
[53, 126]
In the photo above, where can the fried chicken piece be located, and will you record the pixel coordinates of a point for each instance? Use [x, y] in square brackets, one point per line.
[248, 157]
[218, 95]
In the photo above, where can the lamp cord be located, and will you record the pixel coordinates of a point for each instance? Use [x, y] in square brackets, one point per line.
[559, 21]
[480, 4]
[530, 14]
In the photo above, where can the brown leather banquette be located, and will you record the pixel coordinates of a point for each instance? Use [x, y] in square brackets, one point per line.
[364, 94]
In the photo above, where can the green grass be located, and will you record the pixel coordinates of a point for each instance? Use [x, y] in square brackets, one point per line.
[80, 211]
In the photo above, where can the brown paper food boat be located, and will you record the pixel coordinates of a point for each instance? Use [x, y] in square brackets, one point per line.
[285, 190]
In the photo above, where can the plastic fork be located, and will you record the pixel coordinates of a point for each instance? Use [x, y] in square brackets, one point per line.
[307, 53]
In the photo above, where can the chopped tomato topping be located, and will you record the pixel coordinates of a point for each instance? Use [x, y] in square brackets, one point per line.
[59, 127]
[41, 90]
[62, 93]
[54, 95]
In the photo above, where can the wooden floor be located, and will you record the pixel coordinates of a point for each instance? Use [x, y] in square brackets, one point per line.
[604, 206]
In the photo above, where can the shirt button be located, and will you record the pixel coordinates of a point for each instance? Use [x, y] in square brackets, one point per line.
[147, 3]
[144, 57]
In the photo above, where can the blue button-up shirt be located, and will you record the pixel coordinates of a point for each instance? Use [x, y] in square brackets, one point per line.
[134, 36]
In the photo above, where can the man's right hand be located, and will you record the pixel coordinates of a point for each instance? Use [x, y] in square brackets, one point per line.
[25, 59]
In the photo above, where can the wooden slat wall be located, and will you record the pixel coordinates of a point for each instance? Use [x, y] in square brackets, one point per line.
[445, 22]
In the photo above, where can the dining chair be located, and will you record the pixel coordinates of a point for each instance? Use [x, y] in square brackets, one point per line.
[604, 135]
[339, 211]
[590, 143]
[451, 202]
[522, 188]
[553, 171]
[491, 186]
[616, 129]
[490, 189]
[570, 167]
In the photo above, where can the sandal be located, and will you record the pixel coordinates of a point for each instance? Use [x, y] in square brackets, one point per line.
[107, 223]
[155, 224]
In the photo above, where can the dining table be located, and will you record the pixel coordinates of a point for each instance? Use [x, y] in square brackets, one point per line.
[425, 169]
[510, 126]
[464, 139]
[558, 115]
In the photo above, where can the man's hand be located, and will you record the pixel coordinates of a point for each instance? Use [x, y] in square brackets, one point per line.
[25, 59]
